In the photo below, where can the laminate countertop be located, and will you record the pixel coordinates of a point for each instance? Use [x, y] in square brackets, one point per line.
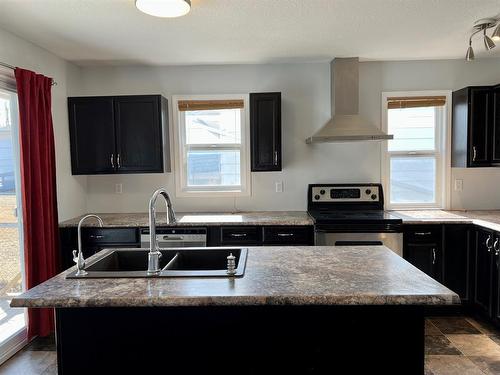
[489, 219]
[196, 219]
[308, 275]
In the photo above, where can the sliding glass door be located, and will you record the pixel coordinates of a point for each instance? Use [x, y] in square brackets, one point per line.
[12, 321]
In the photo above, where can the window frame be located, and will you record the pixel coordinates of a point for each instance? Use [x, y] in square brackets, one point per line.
[442, 153]
[180, 173]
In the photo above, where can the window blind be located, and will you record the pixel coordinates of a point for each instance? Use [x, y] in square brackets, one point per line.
[7, 79]
[415, 101]
[203, 105]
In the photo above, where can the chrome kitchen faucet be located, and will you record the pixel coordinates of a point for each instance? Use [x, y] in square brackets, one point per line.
[78, 257]
[154, 252]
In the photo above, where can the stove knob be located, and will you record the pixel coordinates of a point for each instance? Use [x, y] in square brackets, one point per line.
[368, 191]
[317, 197]
[374, 196]
[322, 192]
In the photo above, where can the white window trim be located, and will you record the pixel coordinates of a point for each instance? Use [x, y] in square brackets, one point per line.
[180, 189]
[443, 185]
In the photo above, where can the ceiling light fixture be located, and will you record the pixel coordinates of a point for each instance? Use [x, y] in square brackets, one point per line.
[482, 26]
[496, 34]
[469, 56]
[164, 8]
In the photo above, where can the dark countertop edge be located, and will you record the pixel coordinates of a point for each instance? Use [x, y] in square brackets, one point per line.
[359, 300]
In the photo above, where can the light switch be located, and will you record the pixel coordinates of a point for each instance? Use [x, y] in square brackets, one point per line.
[118, 188]
[459, 185]
[279, 187]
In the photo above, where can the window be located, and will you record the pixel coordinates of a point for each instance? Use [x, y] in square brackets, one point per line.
[414, 163]
[211, 147]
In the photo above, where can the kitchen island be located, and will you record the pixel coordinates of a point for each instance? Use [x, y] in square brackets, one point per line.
[296, 310]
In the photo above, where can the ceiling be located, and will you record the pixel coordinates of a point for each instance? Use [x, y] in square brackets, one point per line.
[101, 32]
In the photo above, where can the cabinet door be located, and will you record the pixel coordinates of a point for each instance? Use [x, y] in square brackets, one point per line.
[138, 134]
[496, 279]
[483, 272]
[495, 158]
[457, 262]
[424, 256]
[479, 119]
[265, 128]
[92, 135]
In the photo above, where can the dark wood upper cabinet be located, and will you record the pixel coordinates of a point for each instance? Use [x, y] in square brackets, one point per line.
[265, 129]
[495, 158]
[472, 128]
[139, 133]
[92, 135]
[118, 134]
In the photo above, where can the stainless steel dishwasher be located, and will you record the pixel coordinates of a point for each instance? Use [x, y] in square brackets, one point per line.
[176, 237]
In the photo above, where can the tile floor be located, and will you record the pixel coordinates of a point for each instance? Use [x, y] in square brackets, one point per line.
[461, 346]
[453, 346]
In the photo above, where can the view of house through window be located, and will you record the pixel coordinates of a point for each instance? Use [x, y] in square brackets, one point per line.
[12, 321]
[414, 174]
[211, 146]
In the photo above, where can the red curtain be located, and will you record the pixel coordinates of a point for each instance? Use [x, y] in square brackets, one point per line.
[39, 199]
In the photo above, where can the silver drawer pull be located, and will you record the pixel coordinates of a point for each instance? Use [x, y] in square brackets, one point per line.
[96, 236]
[488, 243]
[237, 235]
[433, 256]
[496, 247]
[178, 238]
[285, 234]
[423, 233]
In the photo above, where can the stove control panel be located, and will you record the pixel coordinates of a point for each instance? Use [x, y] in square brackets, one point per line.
[368, 193]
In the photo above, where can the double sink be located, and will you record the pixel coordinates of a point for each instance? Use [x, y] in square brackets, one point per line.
[189, 262]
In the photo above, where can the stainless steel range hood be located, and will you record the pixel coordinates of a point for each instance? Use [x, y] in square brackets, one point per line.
[346, 123]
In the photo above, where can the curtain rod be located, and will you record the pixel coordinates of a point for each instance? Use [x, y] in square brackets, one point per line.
[54, 83]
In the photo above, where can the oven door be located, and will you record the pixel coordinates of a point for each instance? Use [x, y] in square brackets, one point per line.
[392, 240]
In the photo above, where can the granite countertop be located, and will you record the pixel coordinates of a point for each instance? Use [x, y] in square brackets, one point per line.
[489, 219]
[194, 219]
[314, 275]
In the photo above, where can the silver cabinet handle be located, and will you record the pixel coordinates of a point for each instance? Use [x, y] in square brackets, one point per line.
[423, 233]
[96, 236]
[285, 234]
[488, 243]
[237, 235]
[496, 247]
[275, 157]
[112, 158]
[434, 256]
[118, 161]
[474, 153]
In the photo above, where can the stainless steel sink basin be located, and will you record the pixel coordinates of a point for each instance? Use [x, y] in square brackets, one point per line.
[182, 262]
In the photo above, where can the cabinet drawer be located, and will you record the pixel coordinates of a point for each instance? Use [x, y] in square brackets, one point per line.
[423, 234]
[241, 235]
[100, 236]
[288, 235]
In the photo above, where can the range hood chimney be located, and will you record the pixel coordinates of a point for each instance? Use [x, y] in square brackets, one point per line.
[346, 124]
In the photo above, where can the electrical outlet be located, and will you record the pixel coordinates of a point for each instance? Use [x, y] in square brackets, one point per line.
[279, 187]
[459, 185]
[118, 188]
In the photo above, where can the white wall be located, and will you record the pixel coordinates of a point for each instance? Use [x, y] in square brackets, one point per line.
[305, 106]
[305, 95]
[71, 191]
[480, 185]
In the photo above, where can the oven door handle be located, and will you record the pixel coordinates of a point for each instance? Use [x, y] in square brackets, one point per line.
[358, 243]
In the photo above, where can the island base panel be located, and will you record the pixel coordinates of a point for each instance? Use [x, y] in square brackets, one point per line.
[241, 340]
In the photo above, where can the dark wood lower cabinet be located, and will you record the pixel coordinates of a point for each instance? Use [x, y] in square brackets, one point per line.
[423, 248]
[458, 265]
[483, 275]
[241, 340]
